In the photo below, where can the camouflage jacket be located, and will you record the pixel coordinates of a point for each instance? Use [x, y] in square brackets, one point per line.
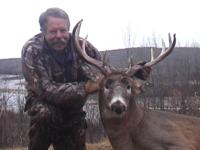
[50, 81]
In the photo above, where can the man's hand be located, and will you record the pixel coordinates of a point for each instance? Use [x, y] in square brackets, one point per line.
[93, 86]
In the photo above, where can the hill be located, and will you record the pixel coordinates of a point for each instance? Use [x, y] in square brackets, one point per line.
[119, 58]
[10, 66]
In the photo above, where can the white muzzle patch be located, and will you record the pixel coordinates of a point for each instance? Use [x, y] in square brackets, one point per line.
[117, 99]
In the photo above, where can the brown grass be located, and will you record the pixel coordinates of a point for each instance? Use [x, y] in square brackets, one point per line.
[104, 145]
[22, 148]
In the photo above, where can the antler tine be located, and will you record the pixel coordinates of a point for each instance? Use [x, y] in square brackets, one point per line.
[164, 53]
[104, 58]
[170, 39]
[81, 50]
[152, 54]
[130, 62]
[84, 43]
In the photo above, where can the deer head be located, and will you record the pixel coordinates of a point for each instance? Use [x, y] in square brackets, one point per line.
[129, 126]
[118, 87]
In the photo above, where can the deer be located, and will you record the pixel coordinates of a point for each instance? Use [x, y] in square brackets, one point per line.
[130, 126]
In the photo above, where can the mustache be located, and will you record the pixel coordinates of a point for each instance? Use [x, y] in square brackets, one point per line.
[60, 42]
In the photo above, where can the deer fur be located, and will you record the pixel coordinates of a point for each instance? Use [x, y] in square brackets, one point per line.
[138, 128]
[130, 126]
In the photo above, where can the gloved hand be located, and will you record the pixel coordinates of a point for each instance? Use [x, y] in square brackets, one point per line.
[143, 72]
[93, 86]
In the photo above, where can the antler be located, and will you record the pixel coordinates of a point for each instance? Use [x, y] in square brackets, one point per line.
[81, 51]
[106, 69]
[164, 53]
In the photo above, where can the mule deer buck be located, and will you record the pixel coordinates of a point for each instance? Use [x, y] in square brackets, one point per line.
[130, 126]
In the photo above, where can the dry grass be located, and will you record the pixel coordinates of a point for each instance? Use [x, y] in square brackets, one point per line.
[104, 145]
[14, 148]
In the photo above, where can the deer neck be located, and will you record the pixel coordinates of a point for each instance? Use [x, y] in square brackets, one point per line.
[136, 117]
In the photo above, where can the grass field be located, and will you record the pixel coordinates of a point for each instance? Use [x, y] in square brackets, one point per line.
[105, 145]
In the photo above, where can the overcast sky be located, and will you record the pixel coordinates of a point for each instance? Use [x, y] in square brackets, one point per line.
[107, 22]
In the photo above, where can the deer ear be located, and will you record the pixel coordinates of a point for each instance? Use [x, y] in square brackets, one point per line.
[143, 73]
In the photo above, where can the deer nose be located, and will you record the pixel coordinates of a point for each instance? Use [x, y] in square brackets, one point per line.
[118, 107]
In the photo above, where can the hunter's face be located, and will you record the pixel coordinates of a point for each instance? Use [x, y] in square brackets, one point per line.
[57, 33]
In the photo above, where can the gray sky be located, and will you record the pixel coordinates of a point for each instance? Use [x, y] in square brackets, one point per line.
[107, 22]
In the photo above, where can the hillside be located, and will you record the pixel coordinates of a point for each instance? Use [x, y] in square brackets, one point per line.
[10, 66]
[119, 58]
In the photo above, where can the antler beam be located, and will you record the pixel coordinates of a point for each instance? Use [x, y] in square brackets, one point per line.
[81, 51]
[164, 53]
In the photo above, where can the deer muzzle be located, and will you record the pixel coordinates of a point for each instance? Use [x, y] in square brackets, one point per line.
[118, 107]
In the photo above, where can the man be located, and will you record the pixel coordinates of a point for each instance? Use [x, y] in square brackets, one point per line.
[56, 85]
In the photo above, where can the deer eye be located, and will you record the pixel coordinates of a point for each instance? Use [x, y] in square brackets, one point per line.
[128, 87]
[108, 83]
[125, 81]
